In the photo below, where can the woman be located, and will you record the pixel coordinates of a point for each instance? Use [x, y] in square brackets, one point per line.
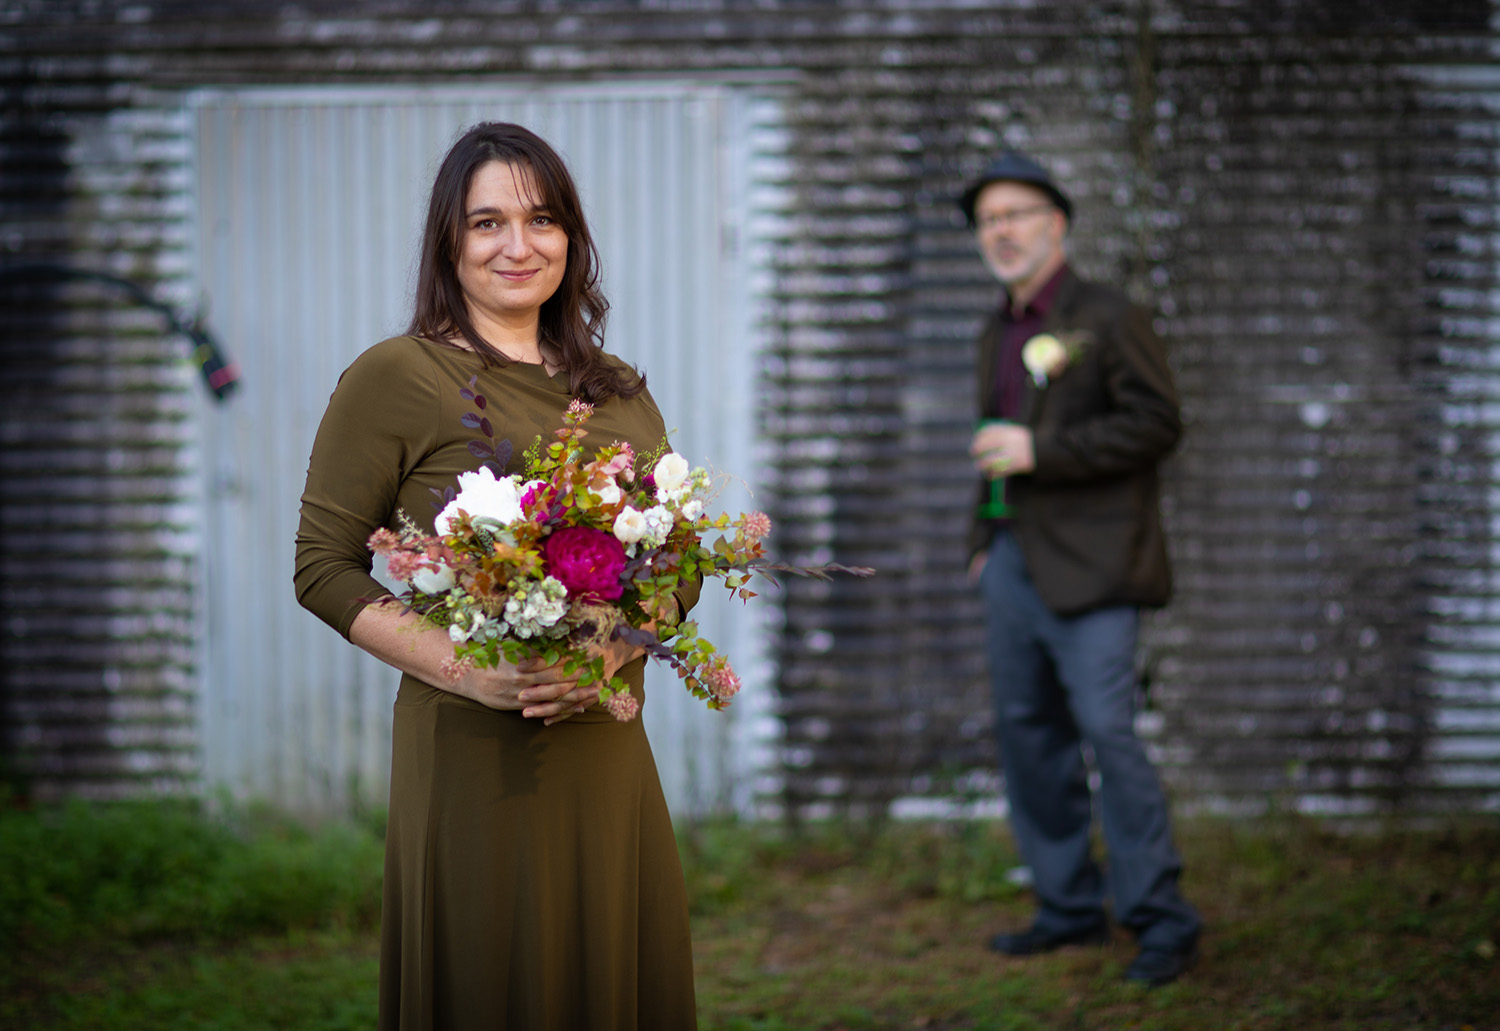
[531, 879]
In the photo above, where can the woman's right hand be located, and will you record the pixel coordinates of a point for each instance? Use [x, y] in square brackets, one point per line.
[537, 689]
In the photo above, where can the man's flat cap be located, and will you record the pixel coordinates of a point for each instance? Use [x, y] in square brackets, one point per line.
[1015, 167]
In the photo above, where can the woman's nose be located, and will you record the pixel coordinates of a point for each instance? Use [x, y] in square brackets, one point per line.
[517, 243]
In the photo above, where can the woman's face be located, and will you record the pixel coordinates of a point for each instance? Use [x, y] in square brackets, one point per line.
[512, 254]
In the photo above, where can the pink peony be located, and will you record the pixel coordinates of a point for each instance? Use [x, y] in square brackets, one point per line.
[585, 561]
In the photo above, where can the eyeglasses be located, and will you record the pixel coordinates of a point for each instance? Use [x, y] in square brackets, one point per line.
[1006, 219]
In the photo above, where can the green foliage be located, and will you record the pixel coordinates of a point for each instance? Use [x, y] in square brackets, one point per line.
[142, 870]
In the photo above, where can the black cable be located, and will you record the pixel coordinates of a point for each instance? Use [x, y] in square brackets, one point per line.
[220, 375]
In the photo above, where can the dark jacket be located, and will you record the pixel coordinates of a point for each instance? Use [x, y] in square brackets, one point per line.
[1088, 517]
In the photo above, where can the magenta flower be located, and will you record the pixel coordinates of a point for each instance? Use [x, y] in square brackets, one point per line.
[537, 500]
[585, 561]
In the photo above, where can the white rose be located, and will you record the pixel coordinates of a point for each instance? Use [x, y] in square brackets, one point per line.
[670, 473]
[1044, 355]
[630, 525]
[434, 581]
[484, 497]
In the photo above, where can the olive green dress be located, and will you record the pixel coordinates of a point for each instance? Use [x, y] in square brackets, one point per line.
[532, 879]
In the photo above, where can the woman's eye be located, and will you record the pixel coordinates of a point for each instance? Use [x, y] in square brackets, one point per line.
[485, 223]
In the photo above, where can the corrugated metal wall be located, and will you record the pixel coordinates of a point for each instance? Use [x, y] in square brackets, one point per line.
[98, 530]
[310, 204]
[1308, 198]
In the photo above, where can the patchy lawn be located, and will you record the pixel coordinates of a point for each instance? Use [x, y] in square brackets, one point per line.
[1395, 930]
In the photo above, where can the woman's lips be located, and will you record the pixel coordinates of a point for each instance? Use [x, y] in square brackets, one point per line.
[518, 275]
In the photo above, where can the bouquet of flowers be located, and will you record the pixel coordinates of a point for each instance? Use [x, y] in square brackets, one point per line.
[573, 553]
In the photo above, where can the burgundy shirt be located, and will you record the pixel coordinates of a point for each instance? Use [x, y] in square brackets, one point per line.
[1017, 327]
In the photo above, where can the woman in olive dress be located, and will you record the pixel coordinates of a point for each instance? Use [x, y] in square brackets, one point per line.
[532, 879]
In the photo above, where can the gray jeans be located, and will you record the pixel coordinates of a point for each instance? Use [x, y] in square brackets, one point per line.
[1059, 683]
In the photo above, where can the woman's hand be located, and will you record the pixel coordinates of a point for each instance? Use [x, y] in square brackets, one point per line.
[537, 689]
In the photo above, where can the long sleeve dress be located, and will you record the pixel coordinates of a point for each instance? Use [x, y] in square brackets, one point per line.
[532, 879]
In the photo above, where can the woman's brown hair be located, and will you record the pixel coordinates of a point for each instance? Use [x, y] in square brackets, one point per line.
[572, 319]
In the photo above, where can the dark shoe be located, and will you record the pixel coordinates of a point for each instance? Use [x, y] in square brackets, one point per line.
[1034, 940]
[1155, 967]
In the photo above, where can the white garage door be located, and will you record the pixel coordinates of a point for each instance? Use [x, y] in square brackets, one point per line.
[309, 204]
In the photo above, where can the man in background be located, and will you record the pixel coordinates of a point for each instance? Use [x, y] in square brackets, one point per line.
[1078, 409]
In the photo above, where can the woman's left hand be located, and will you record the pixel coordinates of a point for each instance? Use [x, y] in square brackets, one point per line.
[616, 654]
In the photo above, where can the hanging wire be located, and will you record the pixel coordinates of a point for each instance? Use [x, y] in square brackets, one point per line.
[220, 375]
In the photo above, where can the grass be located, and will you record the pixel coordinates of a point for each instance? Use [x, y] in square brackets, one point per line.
[150, 916]
[1307, 929]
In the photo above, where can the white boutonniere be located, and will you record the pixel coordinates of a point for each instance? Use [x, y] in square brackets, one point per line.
[1046, 355]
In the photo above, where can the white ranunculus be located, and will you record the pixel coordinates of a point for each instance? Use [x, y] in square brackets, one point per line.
[630, 525]
[434, 581]
[609, 494]
[484, 497]
[692, 509]
[670, 473]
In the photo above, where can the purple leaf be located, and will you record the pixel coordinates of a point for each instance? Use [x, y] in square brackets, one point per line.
[486, 428]
[472, 422]
[503, 451]
[479, 449]
[479, 401]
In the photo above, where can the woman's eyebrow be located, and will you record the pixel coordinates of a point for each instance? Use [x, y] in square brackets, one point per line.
[536, 209]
